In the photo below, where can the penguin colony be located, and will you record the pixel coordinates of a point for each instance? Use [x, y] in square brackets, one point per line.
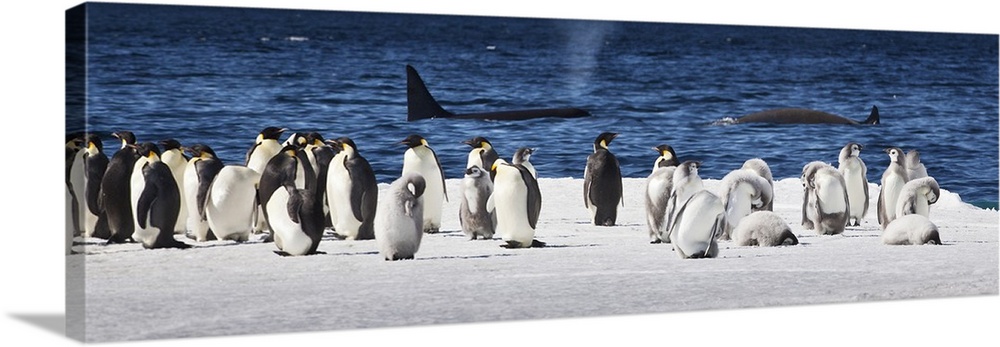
[305, 188]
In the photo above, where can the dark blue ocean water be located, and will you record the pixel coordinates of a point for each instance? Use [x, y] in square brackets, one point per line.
[219, 75]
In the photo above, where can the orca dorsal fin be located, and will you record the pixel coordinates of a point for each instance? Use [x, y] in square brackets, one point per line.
[873, 117]
[419, 102]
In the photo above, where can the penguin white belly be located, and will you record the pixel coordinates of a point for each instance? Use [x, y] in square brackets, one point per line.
[856, 184]
[262, 154]
[177, 165]
[694, 235]
[920, 205]
[424, 165]
[137, 182]
[510, 198]
[475, 158]
[338, 187]
[193, 223]
[396, 234]
[293, 240]
[893, 186]
[230, 203]
[831, 194]
[77, 177]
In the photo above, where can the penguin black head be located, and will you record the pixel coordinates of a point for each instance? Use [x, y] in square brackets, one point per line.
[315, 139]
[478, 142]
[93, 140]
[148, 150]
[290, 150]
[75, 139]
[200, 151]
[414, 141]
[604, 139]
[296, 139]
[169, 144]
[127, 137]
[667, 156]
[270, 133]
[345, 142]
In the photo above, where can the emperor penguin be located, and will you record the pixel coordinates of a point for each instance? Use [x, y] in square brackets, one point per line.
[808, 198]
[602, 182]
[829, 192]
[293, 213]
[352, 192]
[659, 186]
[760, 167]
[765, 229]
[477, 222]
[176, 160]
[911, 229]
[916, 197]
[685, 183]
[667, 157]
[855, 175]
[523, 157]
[158, 203]
[265, 147]
[420, 159]
[138, 179]
[517, 202]
[320, 154]
[482, 154]
[399, 221]
[85, 175]
[914, 168]
[75, 178]
[229, 205]
[198, 176]
[116, 196]
[741, 192]
[74, 143]
[698, 223]
[893, 180]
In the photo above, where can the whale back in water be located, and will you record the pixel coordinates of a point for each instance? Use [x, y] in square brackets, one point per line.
[803, 116]
[421, 105]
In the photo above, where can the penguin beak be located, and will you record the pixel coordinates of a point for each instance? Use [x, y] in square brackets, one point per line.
[468, 142]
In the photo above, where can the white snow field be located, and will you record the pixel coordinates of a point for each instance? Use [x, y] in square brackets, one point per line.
[224, 288]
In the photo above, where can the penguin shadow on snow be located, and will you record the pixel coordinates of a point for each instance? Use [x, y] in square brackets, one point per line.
[463, 257]
[286, 254]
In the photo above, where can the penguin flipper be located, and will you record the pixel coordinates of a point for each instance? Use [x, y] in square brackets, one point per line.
[882, 215]
[534, 203]
[362, 179]
[95, 168]
[142, 207]
[206, 171]
[587, 181]
[294, 205]
[444, 188]
[246, 160]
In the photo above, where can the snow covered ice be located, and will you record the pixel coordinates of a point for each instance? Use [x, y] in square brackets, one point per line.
[225, 288]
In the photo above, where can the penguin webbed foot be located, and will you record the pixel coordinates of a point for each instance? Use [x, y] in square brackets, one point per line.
[537, 244]
[657, 241]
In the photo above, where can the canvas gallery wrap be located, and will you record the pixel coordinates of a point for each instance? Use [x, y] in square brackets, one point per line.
[245, 171]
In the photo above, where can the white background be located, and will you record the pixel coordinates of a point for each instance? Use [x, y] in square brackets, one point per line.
[32, 282]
